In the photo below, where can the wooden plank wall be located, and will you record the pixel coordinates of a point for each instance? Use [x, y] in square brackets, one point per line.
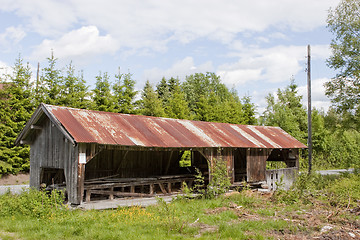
[256, 164]
[50, 149]
[225, 154]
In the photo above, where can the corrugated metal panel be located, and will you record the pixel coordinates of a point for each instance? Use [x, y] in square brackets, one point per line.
[87, 126]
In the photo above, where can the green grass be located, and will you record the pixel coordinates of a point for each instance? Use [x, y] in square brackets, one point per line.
[248, 215]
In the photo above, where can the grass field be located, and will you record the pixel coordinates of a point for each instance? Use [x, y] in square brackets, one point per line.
[301, 213]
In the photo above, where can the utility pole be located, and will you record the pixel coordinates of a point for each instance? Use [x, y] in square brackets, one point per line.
[37, 81]
[309, 108]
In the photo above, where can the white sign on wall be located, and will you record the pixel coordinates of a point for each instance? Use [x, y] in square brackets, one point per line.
[82, 158]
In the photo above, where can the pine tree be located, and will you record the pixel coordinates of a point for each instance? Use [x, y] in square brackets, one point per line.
[74, 92]
[50, 85]
[124, 93]
[102, 98]
[163, 91]
[16, 107]
[150, 104]
[176, 105]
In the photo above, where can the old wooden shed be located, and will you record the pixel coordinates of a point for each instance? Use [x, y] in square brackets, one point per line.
[112, 154]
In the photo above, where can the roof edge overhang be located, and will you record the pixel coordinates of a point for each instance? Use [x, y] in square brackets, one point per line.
[39, 112]
[195, 148]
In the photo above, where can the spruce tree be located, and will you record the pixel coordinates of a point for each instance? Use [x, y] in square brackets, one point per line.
[150, 104]
[163, 91]
[103, 100]
[124, 93]
[50, 85]
[74, 92]
[16, 107]
[176, 105]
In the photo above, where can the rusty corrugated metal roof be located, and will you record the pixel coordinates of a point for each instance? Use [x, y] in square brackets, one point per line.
[87, 126]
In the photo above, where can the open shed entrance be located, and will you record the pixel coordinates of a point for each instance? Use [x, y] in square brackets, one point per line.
[282, 167]
[276, 167]
[136, 173]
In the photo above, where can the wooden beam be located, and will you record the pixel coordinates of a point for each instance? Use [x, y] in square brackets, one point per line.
[162, 188]
[35, 127]
[80, 173]
[25, 142]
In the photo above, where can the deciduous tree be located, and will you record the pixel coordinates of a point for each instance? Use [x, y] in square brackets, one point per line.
[344, 23]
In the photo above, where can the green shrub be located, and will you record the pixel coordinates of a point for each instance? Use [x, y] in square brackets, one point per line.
[345, 191]
[32, 203]
[220, 181]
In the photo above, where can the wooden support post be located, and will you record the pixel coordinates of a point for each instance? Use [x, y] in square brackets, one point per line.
[81, 172]
[132, 188]
[88, 195]
[169, 187]
[111, 195]
[152, 188]
[161, 185]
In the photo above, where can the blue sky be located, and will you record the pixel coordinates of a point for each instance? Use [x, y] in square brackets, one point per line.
[255, 46]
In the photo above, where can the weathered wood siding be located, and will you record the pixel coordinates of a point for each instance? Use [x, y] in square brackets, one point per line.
[215, 154]
[49, 149]
[256, 164]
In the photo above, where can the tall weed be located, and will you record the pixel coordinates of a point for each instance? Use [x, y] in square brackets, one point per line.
[32, 203]
[343, 190]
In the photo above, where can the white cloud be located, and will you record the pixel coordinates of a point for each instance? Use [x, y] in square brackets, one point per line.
[154, 23]
[81, 43]
[318, 97]
[274, 65]
[4, 69]
[11, 37]
[239, 76]
[179, 69]
[48, 18]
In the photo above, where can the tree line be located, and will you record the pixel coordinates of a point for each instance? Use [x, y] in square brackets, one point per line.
[201, 96]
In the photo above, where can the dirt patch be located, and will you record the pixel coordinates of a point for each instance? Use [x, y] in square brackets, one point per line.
[19, 179]
[8, 235]
[203, 228]
[341, 234]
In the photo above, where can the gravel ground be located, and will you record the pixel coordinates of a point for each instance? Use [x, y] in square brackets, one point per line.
[15, 189]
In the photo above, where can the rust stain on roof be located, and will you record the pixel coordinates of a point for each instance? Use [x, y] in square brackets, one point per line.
[87, 126]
